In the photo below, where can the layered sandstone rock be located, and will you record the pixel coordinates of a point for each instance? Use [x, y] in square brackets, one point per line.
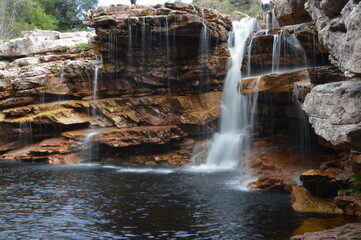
[42, 41]
[153, 86]
[339, 30]
[173, 46]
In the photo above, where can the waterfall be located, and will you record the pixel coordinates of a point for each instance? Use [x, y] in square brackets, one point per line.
[143, 37]
[303, 125]
[249, 54]
[62, 73]
[25, 134]
[276, 52]
[91, 148]
[275, 23]
[233, 140]
[288, 49]
[167, 38]
[130, 46]
[203, 52]
[98, 65]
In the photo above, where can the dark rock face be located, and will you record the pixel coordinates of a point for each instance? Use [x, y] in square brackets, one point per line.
[161, 46]
[339, 30]
[321, 183]
[346, 232]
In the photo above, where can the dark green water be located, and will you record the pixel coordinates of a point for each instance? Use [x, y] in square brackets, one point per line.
[106, 202]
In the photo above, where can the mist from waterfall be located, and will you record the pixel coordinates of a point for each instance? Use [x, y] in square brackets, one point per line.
[233, 140]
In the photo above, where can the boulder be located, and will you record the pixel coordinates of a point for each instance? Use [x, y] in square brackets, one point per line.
[355, 158]
[339, 31]
[304, 201]
[271, 183]
[350, 204]
[291, 12]
[334, 110]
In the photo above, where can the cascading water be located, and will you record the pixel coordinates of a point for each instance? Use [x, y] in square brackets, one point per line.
[249, 54]
[274, 22]
[25, 134]
[203, 54]
[234, 140]
[287, 49]
[62, 74]
[130, 46]
[91, 147]
[97, 65]
[276, 52]
[304, 137]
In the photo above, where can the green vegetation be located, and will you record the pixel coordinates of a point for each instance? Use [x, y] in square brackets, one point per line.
[61, 15]
[354, 185]
[83, 47]
[250, 7]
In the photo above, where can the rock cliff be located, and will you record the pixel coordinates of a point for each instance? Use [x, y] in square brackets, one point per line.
[338, 24]
[146, 93]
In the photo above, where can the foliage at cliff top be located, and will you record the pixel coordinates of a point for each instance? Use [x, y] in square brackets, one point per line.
[61, 15]
[250, 7]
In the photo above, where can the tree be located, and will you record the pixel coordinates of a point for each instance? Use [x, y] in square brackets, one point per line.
[19, 15]
[68, 12]
[250, 7]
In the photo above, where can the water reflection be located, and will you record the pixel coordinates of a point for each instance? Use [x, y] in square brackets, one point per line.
[107, 202]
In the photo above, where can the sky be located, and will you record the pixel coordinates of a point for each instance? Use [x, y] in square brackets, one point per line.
[142, 2]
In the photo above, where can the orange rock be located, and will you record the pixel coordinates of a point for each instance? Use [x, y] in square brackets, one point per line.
[303, 201]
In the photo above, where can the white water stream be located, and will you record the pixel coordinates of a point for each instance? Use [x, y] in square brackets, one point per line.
[233, 141]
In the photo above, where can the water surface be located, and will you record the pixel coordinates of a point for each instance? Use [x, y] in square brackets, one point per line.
[90, 201]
